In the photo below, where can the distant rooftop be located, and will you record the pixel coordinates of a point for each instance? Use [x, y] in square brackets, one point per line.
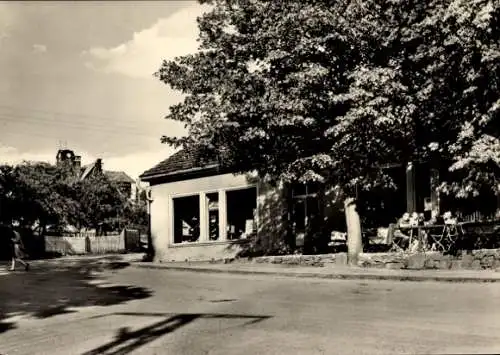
[118, 176]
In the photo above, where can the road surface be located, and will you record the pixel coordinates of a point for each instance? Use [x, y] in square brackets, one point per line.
[85, 309]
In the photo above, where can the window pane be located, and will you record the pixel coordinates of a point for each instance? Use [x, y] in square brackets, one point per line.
[299, 216]
[299, 189]
[241, 209]
[304, 212]
[213, 215]
[303, 189]
[186, 219]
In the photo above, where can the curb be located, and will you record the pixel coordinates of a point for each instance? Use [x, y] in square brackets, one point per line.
[102, 258]
[332, 276]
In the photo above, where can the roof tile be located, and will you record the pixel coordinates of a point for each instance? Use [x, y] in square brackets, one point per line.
[180, 161]
[118, 176]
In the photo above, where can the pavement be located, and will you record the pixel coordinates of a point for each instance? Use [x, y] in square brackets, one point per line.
[111, 306]
[299, 271]
[330, 272]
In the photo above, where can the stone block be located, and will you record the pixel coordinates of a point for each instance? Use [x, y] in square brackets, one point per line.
[496, 264]
[466, 261]
[476, 264]
[455, 265]
[341, 259]
[363, 263]
[430, 263]
[488, 262]
[446, 257]
[416, 261]
[481, 253]
[325, 257]
[394, 266]
[444, 264]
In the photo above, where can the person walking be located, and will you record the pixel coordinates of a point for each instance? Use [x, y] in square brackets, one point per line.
[17, 250]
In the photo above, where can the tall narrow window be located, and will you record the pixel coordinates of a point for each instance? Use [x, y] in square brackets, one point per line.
[305, 206]
[186, 219]
[212, 201]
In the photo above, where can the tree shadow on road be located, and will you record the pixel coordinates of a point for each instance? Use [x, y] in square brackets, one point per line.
[51, 290]
[127, 341]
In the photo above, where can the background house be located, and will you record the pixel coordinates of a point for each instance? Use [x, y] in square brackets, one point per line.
[125, 183]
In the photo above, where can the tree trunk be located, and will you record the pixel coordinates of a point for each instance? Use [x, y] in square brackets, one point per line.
[354, 241]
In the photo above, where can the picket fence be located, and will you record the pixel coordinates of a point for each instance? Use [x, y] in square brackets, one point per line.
[89, 243]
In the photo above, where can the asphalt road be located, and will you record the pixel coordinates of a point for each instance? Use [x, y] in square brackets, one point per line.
[82, 309]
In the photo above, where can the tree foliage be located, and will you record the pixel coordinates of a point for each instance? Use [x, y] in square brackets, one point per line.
[37, 192]
[43, 194]
[333, 90]
[100, 202]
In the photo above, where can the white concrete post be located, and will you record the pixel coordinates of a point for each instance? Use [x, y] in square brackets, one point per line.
[411, 198]
[222, 215]
[354, 241]
[151, 249]
[203, 217]
[171, 227]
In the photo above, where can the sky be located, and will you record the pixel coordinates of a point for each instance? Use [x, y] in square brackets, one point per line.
[80, 75]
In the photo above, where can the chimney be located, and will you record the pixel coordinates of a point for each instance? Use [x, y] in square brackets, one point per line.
[98, 165]
[77, 162]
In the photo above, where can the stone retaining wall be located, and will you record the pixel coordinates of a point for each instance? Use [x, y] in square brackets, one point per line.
[308, 260]
[476, 260]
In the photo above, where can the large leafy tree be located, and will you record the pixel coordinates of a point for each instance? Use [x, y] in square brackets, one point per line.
[6, 192]
[334, 90]
[313, 88]
[43, 194]
[101, 204]
[37, 193]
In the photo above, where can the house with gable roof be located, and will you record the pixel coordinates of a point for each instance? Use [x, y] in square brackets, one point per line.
[125, 183]
[200, 211]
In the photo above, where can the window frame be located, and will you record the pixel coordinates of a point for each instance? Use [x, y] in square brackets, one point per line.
[204, 229]
[305, 197]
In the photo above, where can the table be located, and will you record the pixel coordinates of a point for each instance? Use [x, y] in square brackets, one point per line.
[436, 237]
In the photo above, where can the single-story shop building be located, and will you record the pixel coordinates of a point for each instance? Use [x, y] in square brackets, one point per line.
[201, 212]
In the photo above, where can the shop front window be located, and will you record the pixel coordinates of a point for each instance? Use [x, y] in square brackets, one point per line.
[222, 215]
[186, 219]
[241, 211]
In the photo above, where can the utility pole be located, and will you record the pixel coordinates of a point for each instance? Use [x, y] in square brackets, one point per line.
[150, 251]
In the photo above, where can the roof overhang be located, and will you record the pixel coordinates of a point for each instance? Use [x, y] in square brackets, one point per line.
[179, 175]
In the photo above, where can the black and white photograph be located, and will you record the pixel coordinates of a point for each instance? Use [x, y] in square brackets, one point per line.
[212, 177]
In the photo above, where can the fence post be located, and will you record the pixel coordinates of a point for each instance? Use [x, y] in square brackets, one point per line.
[88, 247]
